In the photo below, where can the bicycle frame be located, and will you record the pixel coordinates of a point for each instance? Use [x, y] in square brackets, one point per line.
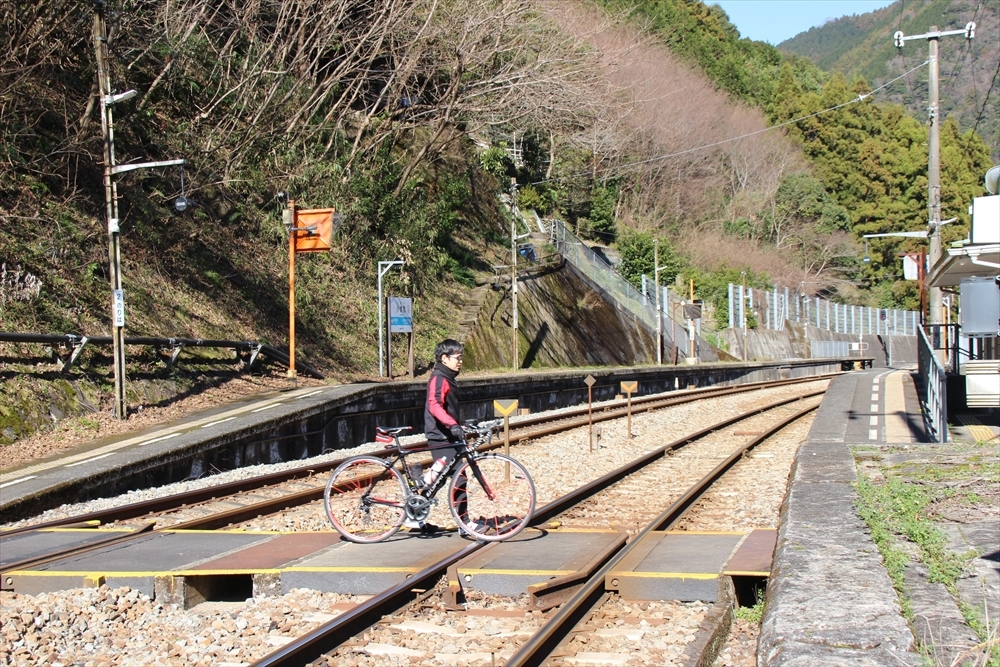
[414, 487]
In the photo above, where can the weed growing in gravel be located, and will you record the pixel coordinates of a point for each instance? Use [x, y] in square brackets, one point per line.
[752, 614]
[899, 508]
[870, 508]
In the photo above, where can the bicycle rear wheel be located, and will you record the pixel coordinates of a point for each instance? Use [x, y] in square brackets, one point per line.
[364, 499]
[494, 504]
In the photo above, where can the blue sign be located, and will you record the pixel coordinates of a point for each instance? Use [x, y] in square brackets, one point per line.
[400, 315]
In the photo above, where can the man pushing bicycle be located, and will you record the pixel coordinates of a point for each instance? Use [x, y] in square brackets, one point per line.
[441, 417]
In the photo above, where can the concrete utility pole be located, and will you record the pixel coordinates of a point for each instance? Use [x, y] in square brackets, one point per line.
[934, 312]
[513, 274]
[659, 305]
[108, 100]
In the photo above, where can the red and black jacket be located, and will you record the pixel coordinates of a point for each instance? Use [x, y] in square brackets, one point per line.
[441, 407]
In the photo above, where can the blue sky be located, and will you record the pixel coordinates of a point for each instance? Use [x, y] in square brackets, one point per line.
[774, 21]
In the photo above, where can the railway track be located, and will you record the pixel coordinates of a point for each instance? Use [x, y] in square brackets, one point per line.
[580, 593]
[233, 503]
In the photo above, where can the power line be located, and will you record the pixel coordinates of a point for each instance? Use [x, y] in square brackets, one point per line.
[659, 158]
[979, 117]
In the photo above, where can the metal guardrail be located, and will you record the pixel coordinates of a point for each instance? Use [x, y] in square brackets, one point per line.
[934, 398]
[622, 291]
[76, 343]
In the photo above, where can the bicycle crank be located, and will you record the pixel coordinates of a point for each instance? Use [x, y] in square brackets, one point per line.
[418, 508]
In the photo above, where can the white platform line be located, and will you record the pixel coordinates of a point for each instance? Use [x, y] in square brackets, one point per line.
[267, 407]
[873, 434]
[94, 458]
[875, 380]
[873, 421]
[313, 393]
[874, 397]
[874, 407]
[221, 421]
[160, 439]
[17, 481]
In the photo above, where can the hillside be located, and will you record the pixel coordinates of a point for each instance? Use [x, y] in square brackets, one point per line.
[380, 114]
[629, 121]
[862, 45]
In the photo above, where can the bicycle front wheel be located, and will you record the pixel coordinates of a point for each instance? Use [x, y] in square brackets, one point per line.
[365, 499]
[492, 497]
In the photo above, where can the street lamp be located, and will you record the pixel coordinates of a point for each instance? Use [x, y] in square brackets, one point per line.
[108, 100]
[383, 268]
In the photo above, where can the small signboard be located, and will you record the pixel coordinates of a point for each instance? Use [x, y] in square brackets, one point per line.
[400, 314]
[504, 407]
[119, 306]
[629, 387]
[589, 381]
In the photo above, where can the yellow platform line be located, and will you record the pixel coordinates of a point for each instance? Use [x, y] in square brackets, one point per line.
[704, 532]
[666, 575]
[982, 433]
[540, 573]
[197, 573]
[746, 573]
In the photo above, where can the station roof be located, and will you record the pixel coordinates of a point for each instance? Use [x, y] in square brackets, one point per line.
[959, 263]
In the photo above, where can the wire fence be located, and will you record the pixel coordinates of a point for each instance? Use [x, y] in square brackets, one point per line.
[770, 309]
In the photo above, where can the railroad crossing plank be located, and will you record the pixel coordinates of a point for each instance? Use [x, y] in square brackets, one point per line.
[754, 555]
[674, 565]
[40, 542]
[534, 556]
[368, 569]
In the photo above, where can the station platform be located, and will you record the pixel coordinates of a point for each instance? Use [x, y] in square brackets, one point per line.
[878, 405]
[829, 599]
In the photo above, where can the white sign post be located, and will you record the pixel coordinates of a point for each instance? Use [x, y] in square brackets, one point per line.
[400, 320]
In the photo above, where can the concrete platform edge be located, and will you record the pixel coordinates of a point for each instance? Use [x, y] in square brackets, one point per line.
[829, 600]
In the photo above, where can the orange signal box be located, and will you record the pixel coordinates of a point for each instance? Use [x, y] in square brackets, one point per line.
[319, 240]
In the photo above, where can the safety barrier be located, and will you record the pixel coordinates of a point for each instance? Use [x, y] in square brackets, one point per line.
[934, 389]
[771, 308]
[75, 344]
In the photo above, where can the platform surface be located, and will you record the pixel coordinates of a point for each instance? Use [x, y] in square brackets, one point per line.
[877, 406]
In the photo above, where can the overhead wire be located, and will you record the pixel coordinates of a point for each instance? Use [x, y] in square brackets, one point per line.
[616, 170]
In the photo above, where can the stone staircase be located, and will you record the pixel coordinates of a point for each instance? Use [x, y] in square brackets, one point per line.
[471, 306]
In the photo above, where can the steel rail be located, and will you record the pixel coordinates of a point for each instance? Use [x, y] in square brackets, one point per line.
[561, 422]
[334, 633]
[538, 648]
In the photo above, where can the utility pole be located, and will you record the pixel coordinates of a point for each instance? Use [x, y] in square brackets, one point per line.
[934, 314]
[108, 100]
[513, 273]
[659, 305]
[111, 200]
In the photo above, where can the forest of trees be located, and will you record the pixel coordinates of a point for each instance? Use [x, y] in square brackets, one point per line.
[634, 121]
